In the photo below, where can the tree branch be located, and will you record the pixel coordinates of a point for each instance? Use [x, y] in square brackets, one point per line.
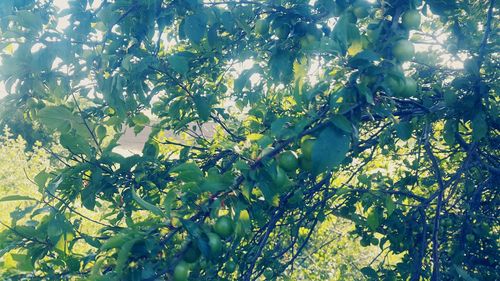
[435, 242]
[94, 138]
[487, 31]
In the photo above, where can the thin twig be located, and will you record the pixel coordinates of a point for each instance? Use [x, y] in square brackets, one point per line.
[487, 31]
[22, 235]
[180, 144]
[435, 242]
[91, 132]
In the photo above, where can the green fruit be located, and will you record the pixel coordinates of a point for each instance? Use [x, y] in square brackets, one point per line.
[373, 31]
[485, 227]
[368, 79]
[307, 148]
[360, 12]
[470, 237]
[230, 266]
[295, 199]
[224, 226]
[215, 244]
[288, 160]
[281, 178]
[365, 41]
[411, 19]
[410, 87]
[109, 111]
[313, 30]
[336, 9]
[364, 242]
[181, 272]
[397, 70]
[395, 85]
[239, 231]
[282, 31]
[262, 26]
[308, 41]
[268, 273]
[351, 17]
[244, 216]
[266, 151]
[300, 28]
[403, 50]
[192, 253]
[305, 164]
[372, 34]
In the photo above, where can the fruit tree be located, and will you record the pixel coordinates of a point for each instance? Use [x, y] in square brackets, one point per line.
[266, 118]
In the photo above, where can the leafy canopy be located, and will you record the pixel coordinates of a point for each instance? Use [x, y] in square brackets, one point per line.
[402, 144]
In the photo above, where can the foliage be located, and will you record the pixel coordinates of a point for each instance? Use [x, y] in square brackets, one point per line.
[333, 254]
[17, 166]
[403, 145]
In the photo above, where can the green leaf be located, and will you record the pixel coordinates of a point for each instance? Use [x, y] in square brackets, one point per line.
[450, 128]
[281, 66]
[75, 144]
[269, 194]
[279, 127]
[363, 58]
[479, 127]
[28, 19]
[117, 240]
[243, 80]
[58, 118]
[339, 33]
[168, 201]
[146, 205]
[370, 273]
[329, 149]
[404, 130]
[8, 247]
[254, 137]
[373, 219]
[203, 108]
[150, 149]
[23, 261]
[179, 63]
[20, 213]
[463, 274]
[55, 228]
[341, 122]
[188, 172]
[126, 62]
[212, 36]
[91, 240]
[123, 256]
[366, 92]
[140, 119]
[389, 205]
[88, 197]
[101, 133]
[16, 198]
[215, 182]
[203, 247]
[195, 26]
[192, 228]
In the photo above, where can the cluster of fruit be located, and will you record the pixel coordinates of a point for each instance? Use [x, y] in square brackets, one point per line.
[222, 230]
